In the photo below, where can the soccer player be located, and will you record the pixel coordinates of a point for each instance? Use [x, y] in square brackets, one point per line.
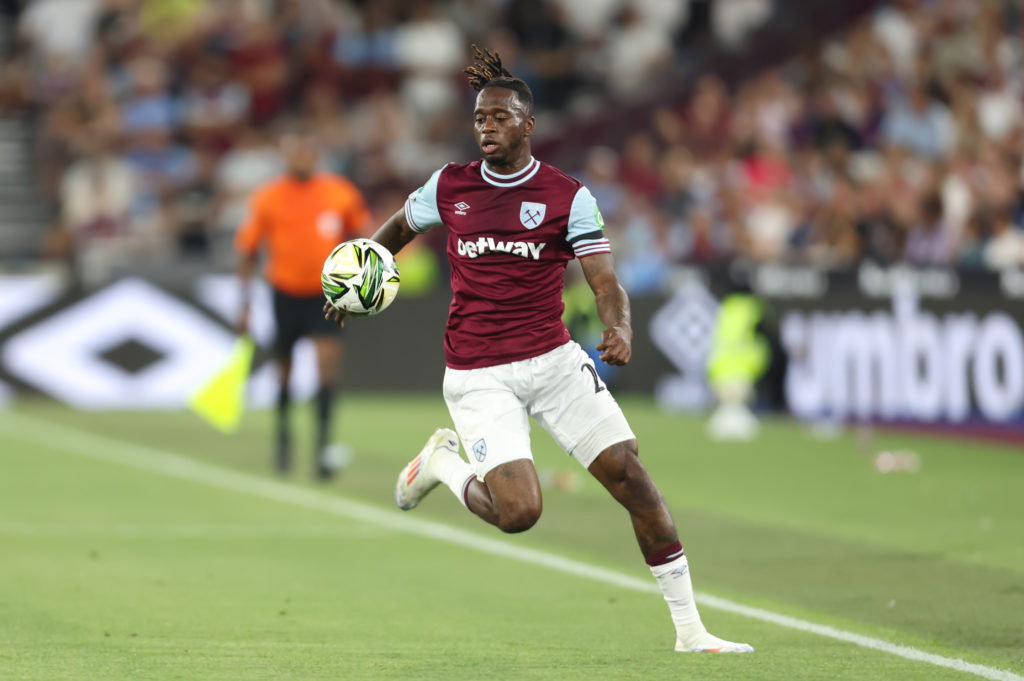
[299, 218]
[513, 225]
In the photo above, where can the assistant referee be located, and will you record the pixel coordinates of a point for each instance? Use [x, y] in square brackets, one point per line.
[298, 219]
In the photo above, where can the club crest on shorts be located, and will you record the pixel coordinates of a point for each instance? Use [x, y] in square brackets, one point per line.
[480, 450]
[532, 214]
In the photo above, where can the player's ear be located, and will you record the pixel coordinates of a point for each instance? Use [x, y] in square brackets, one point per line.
[528, 129]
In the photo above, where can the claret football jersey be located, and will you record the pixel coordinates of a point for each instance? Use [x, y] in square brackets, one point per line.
[509, 240]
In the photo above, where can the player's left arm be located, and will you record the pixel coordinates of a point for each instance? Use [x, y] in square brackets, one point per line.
[616, 344]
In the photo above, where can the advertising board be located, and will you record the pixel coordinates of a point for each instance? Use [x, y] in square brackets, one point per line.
[872, 344]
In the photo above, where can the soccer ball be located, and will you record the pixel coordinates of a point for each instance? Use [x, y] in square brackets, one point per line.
[360, 277]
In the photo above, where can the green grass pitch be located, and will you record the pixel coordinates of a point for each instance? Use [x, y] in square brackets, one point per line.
[113, 572]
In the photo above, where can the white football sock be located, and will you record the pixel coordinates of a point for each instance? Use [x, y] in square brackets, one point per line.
[453, 471]
[674, 580]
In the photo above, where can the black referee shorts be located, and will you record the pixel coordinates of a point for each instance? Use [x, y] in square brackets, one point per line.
[297, 317]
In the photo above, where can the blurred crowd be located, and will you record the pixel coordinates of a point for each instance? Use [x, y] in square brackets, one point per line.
[899, 140]
[156, 119]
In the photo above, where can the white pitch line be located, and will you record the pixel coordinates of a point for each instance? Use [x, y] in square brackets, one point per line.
[90, 445]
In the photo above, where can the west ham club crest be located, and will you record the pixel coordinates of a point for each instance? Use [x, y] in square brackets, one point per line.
[480, 449]
[532, 214]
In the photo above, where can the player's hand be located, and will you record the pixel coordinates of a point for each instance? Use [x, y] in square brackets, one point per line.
[333, 314]
[616, 345]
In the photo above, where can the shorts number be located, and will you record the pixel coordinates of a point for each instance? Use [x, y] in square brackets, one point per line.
[598, 385]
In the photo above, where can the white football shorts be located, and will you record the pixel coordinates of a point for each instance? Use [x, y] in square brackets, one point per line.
[560, 389]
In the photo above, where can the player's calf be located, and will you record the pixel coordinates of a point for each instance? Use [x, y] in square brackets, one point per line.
[621, 472]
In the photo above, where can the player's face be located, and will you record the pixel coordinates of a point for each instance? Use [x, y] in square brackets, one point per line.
[502, 128]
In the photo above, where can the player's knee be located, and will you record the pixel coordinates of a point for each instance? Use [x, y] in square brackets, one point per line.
[621, 463]
[519, 517]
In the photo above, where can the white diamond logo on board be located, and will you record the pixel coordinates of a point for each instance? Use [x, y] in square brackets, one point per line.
[62, 355]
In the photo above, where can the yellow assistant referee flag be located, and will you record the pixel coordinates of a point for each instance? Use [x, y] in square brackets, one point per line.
[221, 399]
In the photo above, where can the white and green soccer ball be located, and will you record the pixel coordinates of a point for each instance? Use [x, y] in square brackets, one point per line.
[360, 277]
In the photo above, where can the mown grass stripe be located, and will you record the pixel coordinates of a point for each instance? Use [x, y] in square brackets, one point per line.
[80, 442]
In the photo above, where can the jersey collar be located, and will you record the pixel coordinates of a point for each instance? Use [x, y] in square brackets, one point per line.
[512, 180]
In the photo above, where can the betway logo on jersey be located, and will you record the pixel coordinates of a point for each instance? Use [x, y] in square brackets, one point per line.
[487, 244]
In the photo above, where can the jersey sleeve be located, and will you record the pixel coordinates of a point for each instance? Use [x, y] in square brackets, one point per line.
[586, 226]
[253, 230]
[421, 207]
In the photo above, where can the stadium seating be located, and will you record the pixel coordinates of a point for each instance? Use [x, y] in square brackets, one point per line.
[894, 138]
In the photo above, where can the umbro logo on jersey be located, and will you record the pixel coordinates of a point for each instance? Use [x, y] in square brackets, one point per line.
[487, 244]
[461, 207]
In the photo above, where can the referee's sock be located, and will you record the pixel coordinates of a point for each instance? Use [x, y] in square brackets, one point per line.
[283, 454]
[324, 402]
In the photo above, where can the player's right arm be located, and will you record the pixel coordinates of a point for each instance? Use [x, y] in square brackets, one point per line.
[418, 215]
[395, 233]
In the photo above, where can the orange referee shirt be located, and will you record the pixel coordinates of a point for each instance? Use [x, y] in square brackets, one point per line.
[300, 223]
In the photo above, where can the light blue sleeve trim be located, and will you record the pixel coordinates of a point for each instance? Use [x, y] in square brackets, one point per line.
[585, 219]
[421, 207]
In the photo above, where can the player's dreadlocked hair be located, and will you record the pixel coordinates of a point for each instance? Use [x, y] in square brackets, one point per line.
[486, 71]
